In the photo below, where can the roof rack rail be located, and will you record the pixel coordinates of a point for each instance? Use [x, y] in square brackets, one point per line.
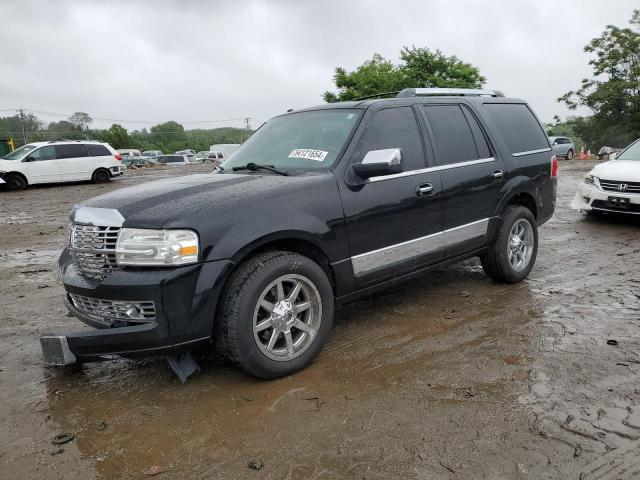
[376, 95]
[448, 92]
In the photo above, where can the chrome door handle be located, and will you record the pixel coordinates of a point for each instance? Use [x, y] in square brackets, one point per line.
[424, 189]
[497, 174]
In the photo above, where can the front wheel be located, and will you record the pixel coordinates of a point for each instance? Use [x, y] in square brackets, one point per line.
[15, 182]
[513, 253]
[569, 154]
[275, 315]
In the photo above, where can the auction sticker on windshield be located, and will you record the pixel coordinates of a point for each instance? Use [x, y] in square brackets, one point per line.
[309, 154]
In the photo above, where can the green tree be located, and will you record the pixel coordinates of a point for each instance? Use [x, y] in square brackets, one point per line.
[419, 67]
[168, 136]
[613, 92]
[117, 136]
[81, 120]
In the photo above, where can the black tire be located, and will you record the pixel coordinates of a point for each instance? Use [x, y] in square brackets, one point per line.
[15, 182]
[239, 311]
[569, 155]
[101, 176]
[496, 262]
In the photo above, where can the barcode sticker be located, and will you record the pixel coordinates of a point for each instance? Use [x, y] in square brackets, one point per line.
[317, 155]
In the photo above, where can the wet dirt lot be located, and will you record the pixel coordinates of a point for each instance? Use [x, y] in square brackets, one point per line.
[449, 376]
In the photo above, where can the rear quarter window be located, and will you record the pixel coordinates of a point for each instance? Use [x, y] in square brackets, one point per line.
[74, 150]
[518, 127]
[98, 150]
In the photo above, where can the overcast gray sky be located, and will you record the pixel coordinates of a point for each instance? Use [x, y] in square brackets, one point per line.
[193, 61]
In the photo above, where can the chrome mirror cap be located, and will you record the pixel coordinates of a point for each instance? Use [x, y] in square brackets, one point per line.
[390, 156]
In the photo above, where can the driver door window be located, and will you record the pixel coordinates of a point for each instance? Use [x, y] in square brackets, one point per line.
[44, 166]
[394, 128]
[44, 153]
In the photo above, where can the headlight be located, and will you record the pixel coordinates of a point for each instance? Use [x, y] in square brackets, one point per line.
[591, 180]
[146, 247]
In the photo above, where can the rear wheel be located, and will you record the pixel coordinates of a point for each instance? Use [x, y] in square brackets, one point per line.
[275, 315]
[569, 154]
[101, 176]
[513, 252]
[15, 182]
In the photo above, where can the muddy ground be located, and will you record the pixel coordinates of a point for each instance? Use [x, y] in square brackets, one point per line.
[449, 376]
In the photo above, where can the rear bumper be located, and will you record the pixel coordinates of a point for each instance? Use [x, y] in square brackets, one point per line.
[185, 301]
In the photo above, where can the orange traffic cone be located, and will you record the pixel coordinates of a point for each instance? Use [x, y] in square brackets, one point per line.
[589, 154]
[582, 155]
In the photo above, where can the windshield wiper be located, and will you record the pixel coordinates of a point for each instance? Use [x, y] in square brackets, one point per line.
[254, 167]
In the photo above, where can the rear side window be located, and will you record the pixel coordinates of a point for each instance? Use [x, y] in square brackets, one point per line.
[518, 126]
[394, 128]
[457, 135]
[98, 150]
[72, 151]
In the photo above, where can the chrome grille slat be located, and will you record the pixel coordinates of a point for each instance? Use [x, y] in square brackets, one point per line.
[613, 186]
[93, 249]
[114, 311]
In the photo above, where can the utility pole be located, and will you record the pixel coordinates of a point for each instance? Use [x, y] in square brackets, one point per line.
[24, 132]
[247, 126]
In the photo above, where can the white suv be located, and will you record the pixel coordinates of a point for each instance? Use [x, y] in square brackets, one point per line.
[60, 161]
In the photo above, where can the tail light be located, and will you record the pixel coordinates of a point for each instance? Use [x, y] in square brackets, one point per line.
[554, 166]
[118, 157]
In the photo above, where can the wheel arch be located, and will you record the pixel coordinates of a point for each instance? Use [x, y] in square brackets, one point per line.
[18, 174]
[289, 241]
[520, 197]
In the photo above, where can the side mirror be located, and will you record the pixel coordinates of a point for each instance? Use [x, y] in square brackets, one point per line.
[554, 143]
[377, 163]
[29, 158]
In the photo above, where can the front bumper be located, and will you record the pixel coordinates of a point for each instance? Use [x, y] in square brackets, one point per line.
[185, 301]
[590, 197]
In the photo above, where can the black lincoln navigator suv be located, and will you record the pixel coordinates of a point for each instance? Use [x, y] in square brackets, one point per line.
[320, 205]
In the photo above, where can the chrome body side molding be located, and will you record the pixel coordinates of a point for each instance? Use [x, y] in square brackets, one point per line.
[382, 257]
[530, 152]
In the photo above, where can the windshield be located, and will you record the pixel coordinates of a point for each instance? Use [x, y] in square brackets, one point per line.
[631, 153]
[18, 153]
[299, 142]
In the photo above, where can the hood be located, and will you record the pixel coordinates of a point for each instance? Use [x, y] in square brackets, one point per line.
[154, 204]
[618, 170]
[7, 164]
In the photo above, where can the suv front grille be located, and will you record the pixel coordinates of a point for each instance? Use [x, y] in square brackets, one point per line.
[112, 312]
[93, 249]
[614, 186]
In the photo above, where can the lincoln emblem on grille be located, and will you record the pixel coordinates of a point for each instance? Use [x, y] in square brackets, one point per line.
[623, 187]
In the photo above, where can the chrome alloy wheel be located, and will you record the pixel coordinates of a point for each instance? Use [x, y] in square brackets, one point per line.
[287, 317]
[521, 243]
